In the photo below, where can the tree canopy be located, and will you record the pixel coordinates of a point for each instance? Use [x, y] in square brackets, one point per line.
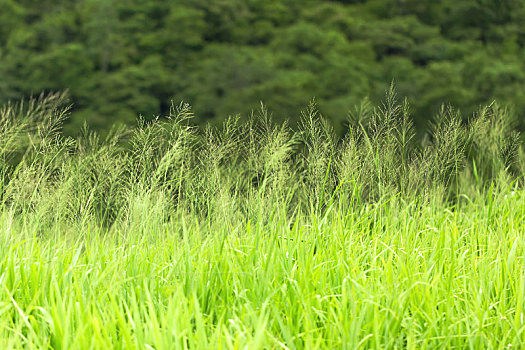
[122, 58]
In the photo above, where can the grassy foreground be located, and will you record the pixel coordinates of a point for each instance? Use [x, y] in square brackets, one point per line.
[395, 277]
[253, 236]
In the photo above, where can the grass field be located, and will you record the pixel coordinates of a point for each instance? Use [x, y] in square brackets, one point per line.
[255, 236]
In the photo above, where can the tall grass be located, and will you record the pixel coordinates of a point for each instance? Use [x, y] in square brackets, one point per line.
[255, 235]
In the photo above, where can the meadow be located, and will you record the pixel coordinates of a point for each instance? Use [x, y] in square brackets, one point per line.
[253, 235]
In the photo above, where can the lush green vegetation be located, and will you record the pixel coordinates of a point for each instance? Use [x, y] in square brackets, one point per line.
[167, 236]
[119, 58]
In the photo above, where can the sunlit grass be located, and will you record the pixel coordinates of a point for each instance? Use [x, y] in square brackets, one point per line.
[392, 276]
[255, 236]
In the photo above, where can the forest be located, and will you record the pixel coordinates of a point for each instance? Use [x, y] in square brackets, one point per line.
[120, 59]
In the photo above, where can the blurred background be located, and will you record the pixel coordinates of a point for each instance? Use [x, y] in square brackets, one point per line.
[122, 58]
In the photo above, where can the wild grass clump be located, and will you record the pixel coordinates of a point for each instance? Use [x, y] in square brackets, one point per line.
[243, 170]
[256, 235]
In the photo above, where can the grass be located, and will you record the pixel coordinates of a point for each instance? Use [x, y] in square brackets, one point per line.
[255, 236]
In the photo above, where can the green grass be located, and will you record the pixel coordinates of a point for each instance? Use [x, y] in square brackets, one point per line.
[254, 236]
[392, 276]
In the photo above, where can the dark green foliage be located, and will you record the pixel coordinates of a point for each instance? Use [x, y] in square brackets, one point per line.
[123, 58]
